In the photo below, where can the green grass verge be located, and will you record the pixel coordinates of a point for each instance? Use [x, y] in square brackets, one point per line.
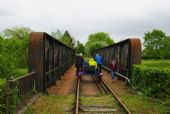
[52, 104]
[139, 104]
[162, 64]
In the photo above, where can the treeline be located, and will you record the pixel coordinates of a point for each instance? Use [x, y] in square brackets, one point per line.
[95, 41]
[156, 45]
[14, 46]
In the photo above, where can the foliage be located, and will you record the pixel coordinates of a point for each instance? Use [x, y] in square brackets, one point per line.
[2, 101]
[166, 47]
[98, 40]
[80, 48]
[156, 45]
[6, 92]
[17, 32]
[7, 62]
[20, 72]
[16, 42]
[68, 40]
[153, 82]
[56, 34]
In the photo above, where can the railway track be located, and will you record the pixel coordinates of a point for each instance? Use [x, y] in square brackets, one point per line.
[103, 100]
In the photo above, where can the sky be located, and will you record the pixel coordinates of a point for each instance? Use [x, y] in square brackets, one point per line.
[121, 19]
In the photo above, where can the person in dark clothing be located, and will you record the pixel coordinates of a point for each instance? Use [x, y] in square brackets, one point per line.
[79, 63]
[113, 67]
[98, 59]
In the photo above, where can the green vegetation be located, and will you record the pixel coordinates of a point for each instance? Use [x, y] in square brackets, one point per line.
[65, 38]
[2, 94]
[20, 72]
[96, 41]
[153, 82]
[80, 48]
[152, 79]
[157, 45]
[14, 51]
[139, 104]
[161, 64]
[7, 94]
[52, 104]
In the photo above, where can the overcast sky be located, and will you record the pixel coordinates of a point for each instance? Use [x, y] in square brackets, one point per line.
[120, 18]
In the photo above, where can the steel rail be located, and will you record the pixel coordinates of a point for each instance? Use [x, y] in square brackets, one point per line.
[77, 97]
[114, 94]
[99, 86]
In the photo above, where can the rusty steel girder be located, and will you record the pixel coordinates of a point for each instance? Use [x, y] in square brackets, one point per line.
[48, 57]
[126, 53]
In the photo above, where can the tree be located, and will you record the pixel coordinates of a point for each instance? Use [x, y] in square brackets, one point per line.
[18, 44]
[153, 43]
[80, 48]
[17, 32]
[97, 40]
[68, 40]
[56, 34]
[166, 47]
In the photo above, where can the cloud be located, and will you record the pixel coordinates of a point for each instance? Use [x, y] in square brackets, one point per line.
[120, 18]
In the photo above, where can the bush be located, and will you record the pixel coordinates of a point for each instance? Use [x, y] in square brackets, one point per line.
[7, 68]
[152, 82]
[2, 95]
[12, 95]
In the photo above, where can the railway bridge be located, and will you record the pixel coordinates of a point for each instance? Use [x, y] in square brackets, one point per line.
[49, 59]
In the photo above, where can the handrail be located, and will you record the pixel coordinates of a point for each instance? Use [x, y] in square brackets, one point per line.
[21, 77]
[118, 74]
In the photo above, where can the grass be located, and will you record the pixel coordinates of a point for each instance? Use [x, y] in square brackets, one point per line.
[20, 72]
[51, 104]
[139, 104]
[163, 64]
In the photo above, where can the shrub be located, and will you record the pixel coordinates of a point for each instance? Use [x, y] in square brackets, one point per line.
[2, 95]
[7, 94]
[152, 82]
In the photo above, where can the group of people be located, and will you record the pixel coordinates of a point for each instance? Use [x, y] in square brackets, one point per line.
[97, 62]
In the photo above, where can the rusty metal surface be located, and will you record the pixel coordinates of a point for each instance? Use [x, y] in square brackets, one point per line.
[125, 53]
[136, 49]
[46, 55]
[77, 97]
[36, 58]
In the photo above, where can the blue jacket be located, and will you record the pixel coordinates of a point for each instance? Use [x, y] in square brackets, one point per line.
[98, 59]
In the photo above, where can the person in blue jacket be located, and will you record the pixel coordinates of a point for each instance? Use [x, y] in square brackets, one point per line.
[98, 59]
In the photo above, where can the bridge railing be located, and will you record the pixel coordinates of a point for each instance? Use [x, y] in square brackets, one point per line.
[125, 53]
[16, 90]
[49, 58]
[57, 72]
[25, 84]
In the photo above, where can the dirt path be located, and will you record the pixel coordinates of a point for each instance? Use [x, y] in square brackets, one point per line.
[66, 85]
